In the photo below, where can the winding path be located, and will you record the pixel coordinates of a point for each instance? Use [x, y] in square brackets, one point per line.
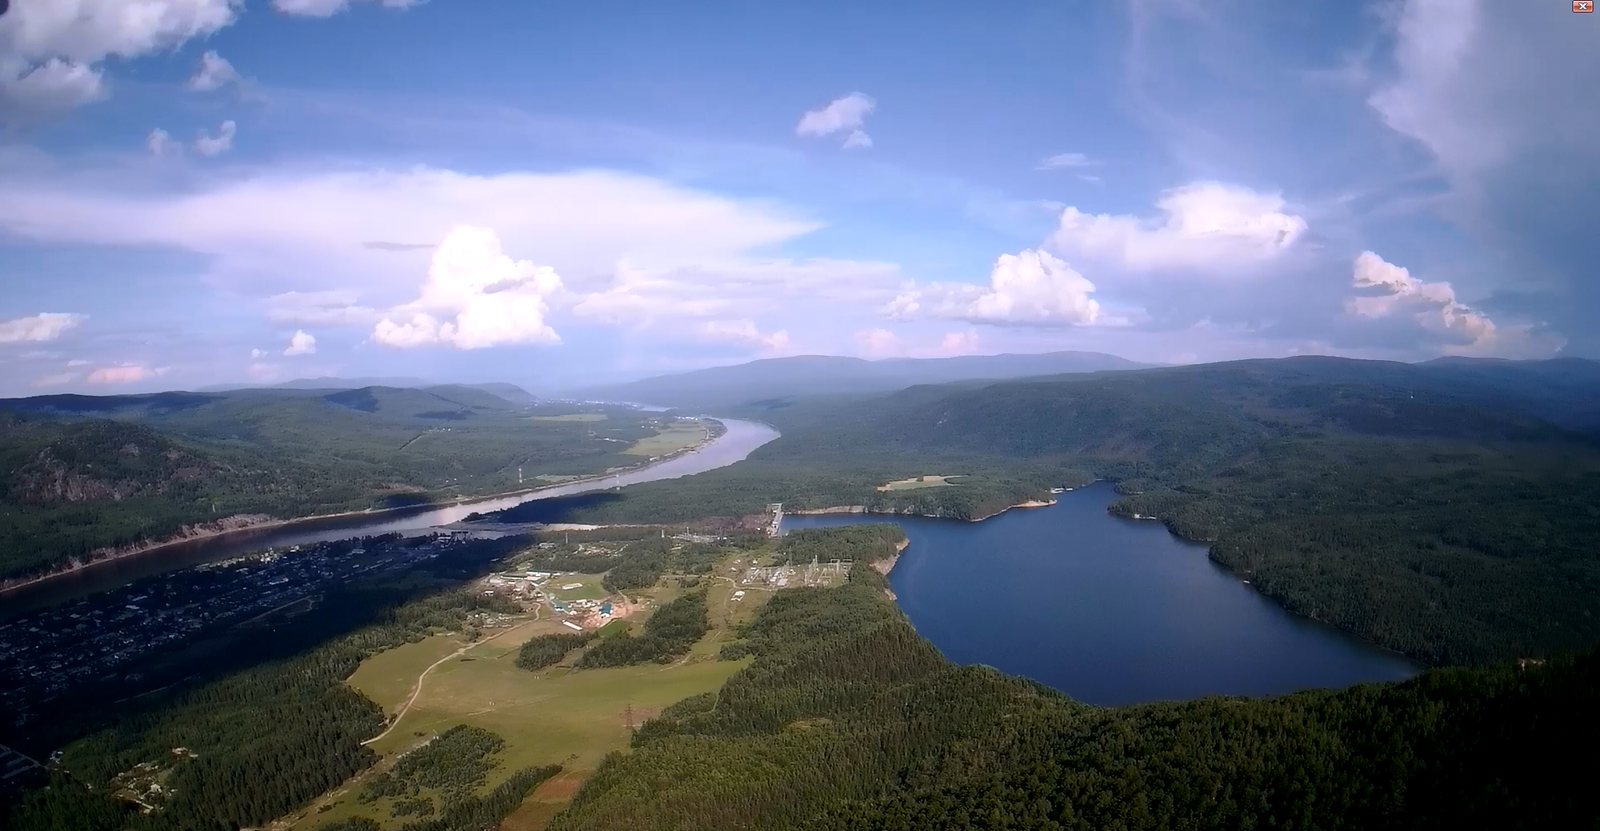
[416, 689]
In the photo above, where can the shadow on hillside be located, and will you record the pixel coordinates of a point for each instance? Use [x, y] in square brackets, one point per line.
[145, 688]
[558, 508]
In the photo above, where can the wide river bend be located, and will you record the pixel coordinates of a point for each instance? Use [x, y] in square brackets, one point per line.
[739, 440]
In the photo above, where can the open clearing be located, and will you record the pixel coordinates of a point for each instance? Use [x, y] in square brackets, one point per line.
[921, 482]
[676, 437]
[554, 716]
[571, 417]
[584, 587]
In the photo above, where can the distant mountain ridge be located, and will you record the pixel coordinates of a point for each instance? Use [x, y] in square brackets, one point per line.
[509, 392]
[810, 375]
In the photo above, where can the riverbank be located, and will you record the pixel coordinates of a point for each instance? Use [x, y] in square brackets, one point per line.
[863, 509]
[1123, 598]
[715, 430]
[886, 565]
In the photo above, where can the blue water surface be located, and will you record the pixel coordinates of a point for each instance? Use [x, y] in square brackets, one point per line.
[1109, 611]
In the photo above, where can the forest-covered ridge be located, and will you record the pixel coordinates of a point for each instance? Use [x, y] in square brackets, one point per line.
[1435, 510]
[848, 719]
[86, 473]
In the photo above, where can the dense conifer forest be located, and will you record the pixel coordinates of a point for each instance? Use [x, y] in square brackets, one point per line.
[247, 747]
[1455, 522]
[668, 634]
[848, 719]
[1446, 512]
[542, 651]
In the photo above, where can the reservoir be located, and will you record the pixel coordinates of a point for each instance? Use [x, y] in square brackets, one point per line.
[1110, 611]
[740, 438]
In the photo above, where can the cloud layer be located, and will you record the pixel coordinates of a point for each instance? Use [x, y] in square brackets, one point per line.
[1031, 288]
[51, 52]
[222, 142]
[1432, 305]
[483, 297]
[847, 114]
[214, 72]
[1202, 226]
[40, 327]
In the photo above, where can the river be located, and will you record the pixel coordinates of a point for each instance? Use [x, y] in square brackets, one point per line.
[740, 439]
[1110, 611]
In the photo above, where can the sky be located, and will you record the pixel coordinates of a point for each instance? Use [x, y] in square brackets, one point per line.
[555, 194]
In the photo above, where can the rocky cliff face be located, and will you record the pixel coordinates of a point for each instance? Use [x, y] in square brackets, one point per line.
[98, 461]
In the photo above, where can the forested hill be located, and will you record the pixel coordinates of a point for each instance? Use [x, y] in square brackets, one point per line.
[80, 474]
[775, 381]
[1449, 511]
[847, 719]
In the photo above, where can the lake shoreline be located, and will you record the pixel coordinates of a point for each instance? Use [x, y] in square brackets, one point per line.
[261, 522]
[1130, 517]
[862, 509]
[1197, 597]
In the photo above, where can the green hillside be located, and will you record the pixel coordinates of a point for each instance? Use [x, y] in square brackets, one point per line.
[1420, 507]
[848, 719]
[83, 473]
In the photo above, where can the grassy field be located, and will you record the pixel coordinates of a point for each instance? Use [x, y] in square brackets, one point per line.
[589, 588]
[554, 716]
[920, 482]
[387, 677]
[676, 437]
[557, 477]
[572, 417]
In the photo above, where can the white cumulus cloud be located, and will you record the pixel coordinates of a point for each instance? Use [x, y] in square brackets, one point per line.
[301, 343]
[47, 89]
[161, 144]
[745, 333]
[1031, 288]
[220, 143]
[51, 50]
[40, 327]
[475, 297]
[214, 72]
[847, 114]
[124, 374]
[328, 8]
[1432, 305]
[1205, 226]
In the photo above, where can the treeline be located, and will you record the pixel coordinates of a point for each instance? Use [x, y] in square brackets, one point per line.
[542, 651]
[1451, 554]
[83, 473]
[471, 813]
[848, 719]
[454, 763]
[668, 634]
[1444, 514]
[1479, 748]
[861, 543]
[638, 563]
[261, 741]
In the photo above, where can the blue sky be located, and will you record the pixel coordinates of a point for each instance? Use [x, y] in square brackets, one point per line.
[215, 191]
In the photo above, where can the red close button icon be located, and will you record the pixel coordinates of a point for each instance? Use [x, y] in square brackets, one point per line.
[1583, 5]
